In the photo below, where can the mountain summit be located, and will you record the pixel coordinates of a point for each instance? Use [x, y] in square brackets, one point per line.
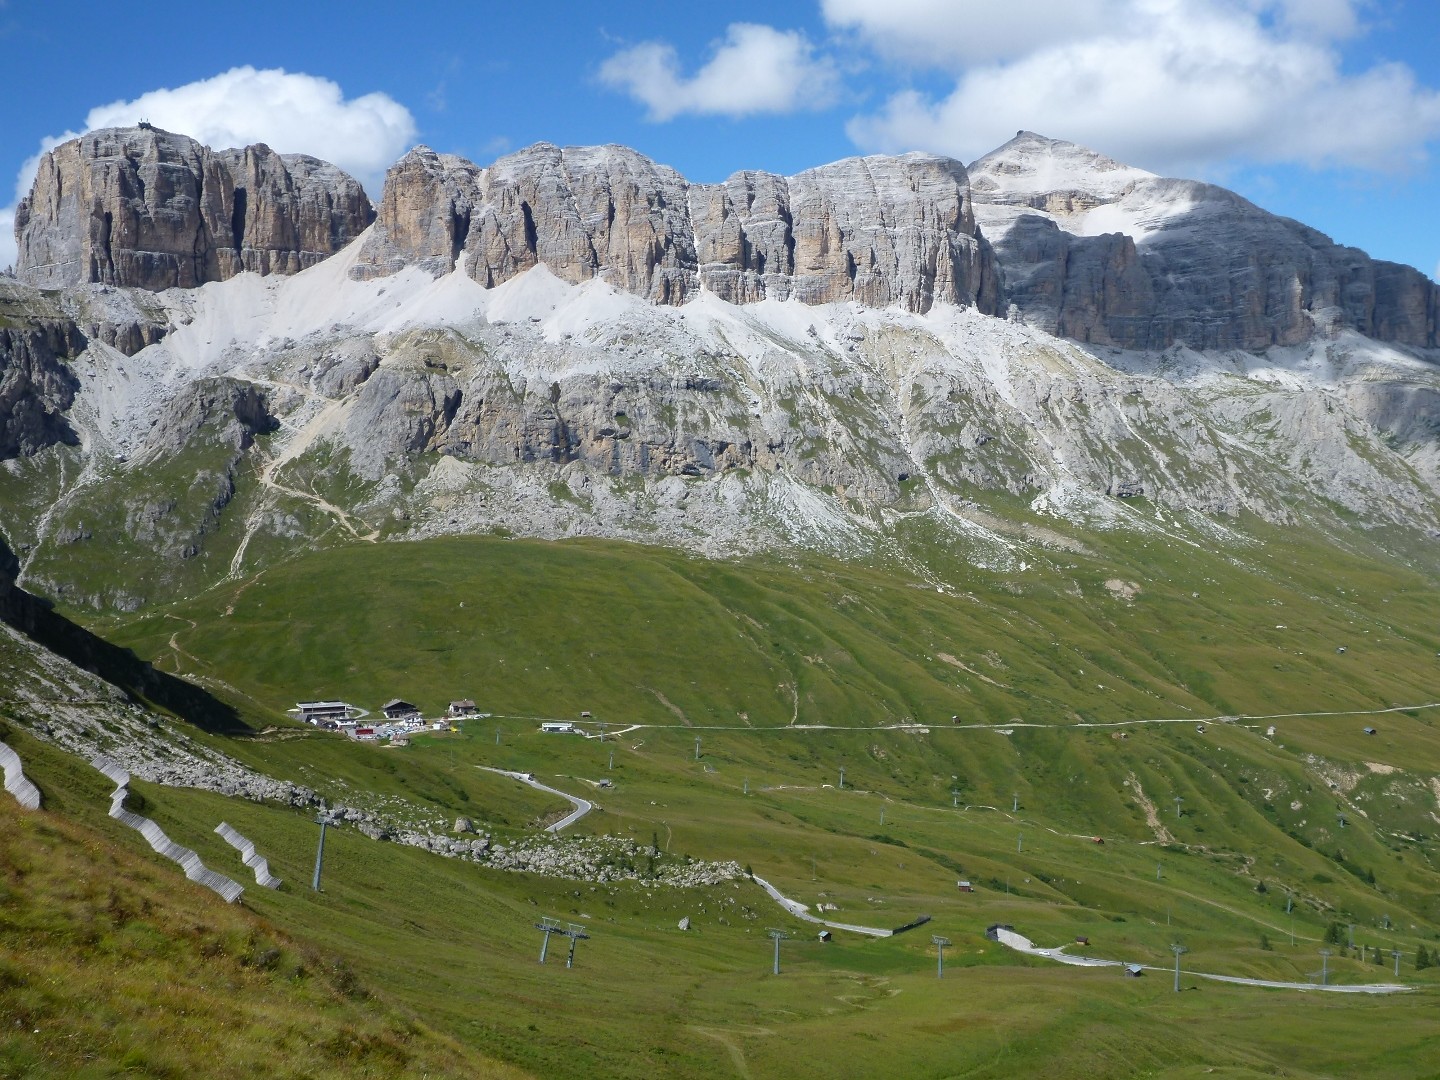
[878, 230]
[1084, 247]
[579, 341]
[1101, 252]
[148, 208]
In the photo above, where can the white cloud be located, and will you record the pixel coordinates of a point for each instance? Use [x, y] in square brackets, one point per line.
[755, 69]
[1323, 18]
[292, 112]
[1172, 85]
[952, 33]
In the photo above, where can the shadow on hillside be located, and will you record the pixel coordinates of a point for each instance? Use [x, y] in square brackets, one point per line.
[138, 679]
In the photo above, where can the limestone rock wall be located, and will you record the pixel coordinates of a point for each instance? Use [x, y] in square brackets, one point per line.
[879, 231]
[147, 208]
[1104, 253]
[37, 386]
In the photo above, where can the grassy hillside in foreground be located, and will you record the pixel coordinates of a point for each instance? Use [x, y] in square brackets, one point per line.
[111, 964]
[687, 648]
[162, 977]
[734, 654]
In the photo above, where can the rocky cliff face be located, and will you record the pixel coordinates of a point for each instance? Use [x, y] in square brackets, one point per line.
[879, 231]
[37, 386]
[146, 208]
[582, 352]
[1100, 252]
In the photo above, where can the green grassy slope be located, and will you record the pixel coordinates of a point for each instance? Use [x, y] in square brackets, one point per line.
[454, 944]
[111, 963]
[786, 672]
[651, 636]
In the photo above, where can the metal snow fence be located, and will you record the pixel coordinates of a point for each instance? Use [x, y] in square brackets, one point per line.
[26, 793]
[188, 861]
[249, 856]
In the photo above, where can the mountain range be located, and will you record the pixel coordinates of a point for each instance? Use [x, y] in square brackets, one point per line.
[999, 507]
[211, 358]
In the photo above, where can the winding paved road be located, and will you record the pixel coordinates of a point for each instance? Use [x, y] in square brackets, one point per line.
[1020, 943]
[582, 807]
[800, 911]
[1004, 729]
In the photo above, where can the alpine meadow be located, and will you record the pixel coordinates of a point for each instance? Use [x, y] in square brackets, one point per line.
[557, 618]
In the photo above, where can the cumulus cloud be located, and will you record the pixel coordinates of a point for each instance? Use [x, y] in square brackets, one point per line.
[1172, 85]
[755, 69]
[292, 112]
[953, 33]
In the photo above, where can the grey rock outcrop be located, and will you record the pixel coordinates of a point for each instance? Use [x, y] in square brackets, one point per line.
[231, 413]
[36, 384]
[880, 231]
[1100, 252]
[155, 210]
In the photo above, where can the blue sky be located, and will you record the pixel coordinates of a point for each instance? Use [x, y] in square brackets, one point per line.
[1324, 110]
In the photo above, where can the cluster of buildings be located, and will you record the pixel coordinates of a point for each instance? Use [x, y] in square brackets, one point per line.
[401, 719]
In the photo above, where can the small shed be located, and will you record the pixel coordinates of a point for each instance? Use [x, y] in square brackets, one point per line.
[1134, 971]
[964, 886]
[584, 714]
[463, 707]
[1369, 731]
[825, 935]
[1082, 940]
[399, 709]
